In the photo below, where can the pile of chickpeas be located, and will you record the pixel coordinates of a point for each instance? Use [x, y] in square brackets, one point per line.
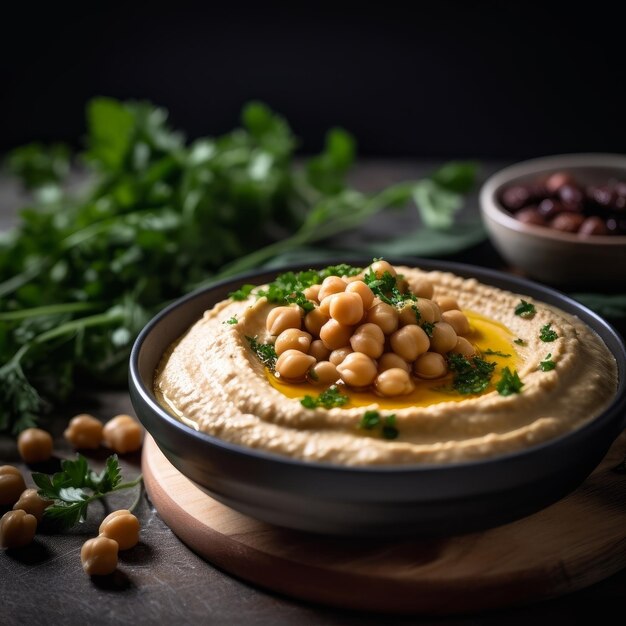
[353, 337]
[118, 531]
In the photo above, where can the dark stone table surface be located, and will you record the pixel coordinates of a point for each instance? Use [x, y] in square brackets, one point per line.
[161, 581]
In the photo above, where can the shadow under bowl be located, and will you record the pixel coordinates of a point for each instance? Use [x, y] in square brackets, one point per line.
[373, 501]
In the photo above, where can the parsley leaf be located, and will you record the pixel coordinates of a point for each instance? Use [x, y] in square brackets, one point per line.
[547, 334]
[470, 376]
[231, 320]
[76, 486]
[386, 288]
[519, 341]
[547, 364]
[525, 309]
[510, 383]
[328, 399]
[242, 293]
[373, 419]
[428, 328]
[491, 352]
[265, 352]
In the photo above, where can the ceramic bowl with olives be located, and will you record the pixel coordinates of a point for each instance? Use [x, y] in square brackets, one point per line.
[561, 219]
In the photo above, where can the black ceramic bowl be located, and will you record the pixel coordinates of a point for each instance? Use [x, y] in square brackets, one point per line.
[377, 501]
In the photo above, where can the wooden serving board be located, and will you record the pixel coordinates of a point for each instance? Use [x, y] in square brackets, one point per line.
[570, 545]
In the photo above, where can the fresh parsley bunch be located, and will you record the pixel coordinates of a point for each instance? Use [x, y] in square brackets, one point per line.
[85, 270]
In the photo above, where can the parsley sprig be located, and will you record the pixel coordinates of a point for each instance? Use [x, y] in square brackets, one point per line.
[331, 397]
[76, 486]
[525, 309]
[510, 383]
[547, 333]
[265, 352]
[470, 375]
[547, 364]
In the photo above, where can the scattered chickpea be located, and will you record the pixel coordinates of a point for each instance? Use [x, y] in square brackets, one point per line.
[281, 318]
[409, 314]
[337, 356]
[368, 339]
[294, 365]
[367, 296]
[346, 308]
[318, 350]
[331, 285]
[31, 502]
[422, 288]
[17, 529]
[99, 556]
[312, 292]
[34, 445]
[314, 321]
[121, 526]
[447, 303]
[380, 267]
[464, 347]
[357, 369]
[292, 339]
[335, 335]
[391, 360]
[409, 342]
[426, 310]
[385, 316]
[11, 485]
[394, 382]
[84, 432]
[122, 434]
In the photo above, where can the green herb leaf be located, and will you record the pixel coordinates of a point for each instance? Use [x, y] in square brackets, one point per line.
[547, 334]
[519, 342]
[387, 425]
[265, 352]
[471, 376]
[510, 383]
[547, 364]
[370, 420]
[525, 309]
[389, 430]
[428, 328]
[331, 397]
[242, 293]
[491, 352]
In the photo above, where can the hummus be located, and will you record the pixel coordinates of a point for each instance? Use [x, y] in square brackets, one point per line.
[212, 380]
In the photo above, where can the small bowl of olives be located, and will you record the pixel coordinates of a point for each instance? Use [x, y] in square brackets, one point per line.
[561, 219]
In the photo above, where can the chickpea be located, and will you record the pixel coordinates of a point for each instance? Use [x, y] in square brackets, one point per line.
[312, 292]
[409, 342]
[427, 310]
[314, 321]
[292, 339]
[346, 308]
[99, 556]
[11, 485]
[447, 303]
[368, 339]
[331, 285]
[319, 351]
[430, 365]
[367, 295]
[402, 284]
[444, 338]
[335, 335]
[385, 316]
[294, 365]
[464, 347]
[394, 382]
[422, 288]
[84, 431]
[337, 356]
[409, 314]
[391, 360]
[380, 267]
[17, 529]
[357, 369]
[323, 373]
[457, 320]
[34, 445]
[325, 304]
[122, 434]
[31, 502]
[121, 526]
[283, 317]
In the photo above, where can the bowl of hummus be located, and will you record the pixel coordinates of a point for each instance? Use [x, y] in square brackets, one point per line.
[381, 398]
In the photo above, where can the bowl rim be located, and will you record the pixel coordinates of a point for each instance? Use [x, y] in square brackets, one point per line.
[491, 207]
[514, 283]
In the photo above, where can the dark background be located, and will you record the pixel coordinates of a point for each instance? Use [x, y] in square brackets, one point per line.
[441, 79]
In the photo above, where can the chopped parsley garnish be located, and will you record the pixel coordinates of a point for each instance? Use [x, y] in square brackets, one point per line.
[547, 364]
[519, 341]
[386, 288]
[373, 419]
[470, 375]
[231, 321]
[525, 309]
[510, 383]
[265, 352]
[547, 334]
[427, 327]
[242, 293]
[491, 352]
[328, 399]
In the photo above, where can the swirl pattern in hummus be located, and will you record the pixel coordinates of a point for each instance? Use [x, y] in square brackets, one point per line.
[212, 380]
